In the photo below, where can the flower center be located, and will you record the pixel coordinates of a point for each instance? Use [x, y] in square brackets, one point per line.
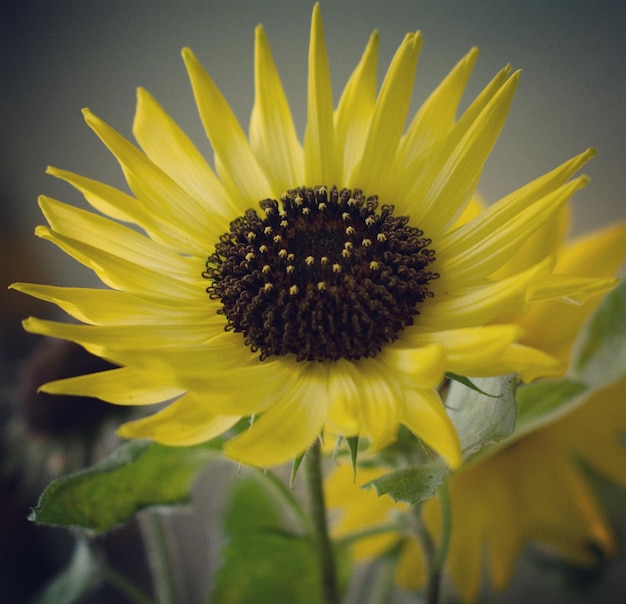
[323, 275]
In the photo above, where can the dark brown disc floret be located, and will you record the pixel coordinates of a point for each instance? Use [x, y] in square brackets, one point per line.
[323, 275]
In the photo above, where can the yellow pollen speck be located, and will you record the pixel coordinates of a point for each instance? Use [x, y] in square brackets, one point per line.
[370, 220]
[298, 200]
[267, 287]
[321, 285]
[249, 256]
[306, 211]
[348, 245]
[290, 257]
[250, 236]
[322, 190]
[309, 260]
[324, 260]
[350, 231]
[336, 268]
[293, 290]
[277, 238]
[269, 211]
[345, 253]
[282, 253]
[263, 249]
[284, 224]
[366, 242]
[267, 230]
[266, 268]
[282, 214]
[374, 265]
[381, 237]
[345, 216]
[351, 201]
[322, 206]
[290, 268]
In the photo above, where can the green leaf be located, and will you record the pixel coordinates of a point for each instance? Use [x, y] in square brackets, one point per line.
[82, 575]
[268, 567]
[411, 485]
[480, 419]
[467, 382]
[137, 475]
[599, 355]
[547, 400]
[268, 558]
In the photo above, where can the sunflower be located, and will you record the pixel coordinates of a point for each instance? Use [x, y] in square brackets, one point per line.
[323, 284]
[534, 489]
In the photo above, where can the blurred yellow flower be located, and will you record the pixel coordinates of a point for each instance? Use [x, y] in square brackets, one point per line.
[532, 490]
[304, 285]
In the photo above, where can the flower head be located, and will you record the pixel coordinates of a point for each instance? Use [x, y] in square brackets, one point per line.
[533, 489]
[327, 283]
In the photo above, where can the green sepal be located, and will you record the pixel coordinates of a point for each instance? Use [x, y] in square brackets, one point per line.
[353, 448]
[139, 474]
[295, 466]
[461, 379]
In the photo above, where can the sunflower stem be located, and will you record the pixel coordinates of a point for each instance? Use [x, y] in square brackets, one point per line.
[160, 547]
[435, 556]
[124, 586]
[314, 477]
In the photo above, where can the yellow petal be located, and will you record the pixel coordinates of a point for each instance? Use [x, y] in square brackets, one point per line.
[415, 366]
[437, 115]
[507, 209]
[529, 363]
[110, 307]
[344, 397]
[233, 379]
[116, 239]
[494, 242]
[184, 423]
[451, 182]
[170, 149]
[123, 386]
[355, 108]
[120, 273]
[106, 199]
[425, 416]
[389, 117]
[552, 326]
[288, 427]
[227, 138]
[322, 158]
[381, 404]
[272, 133]
[158, 192]
[103, 340]
[569, 288]
[479, 305]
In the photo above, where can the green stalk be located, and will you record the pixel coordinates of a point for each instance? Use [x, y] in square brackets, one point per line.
[314, 478]
[159, 543]
[435, 556]
[125, 587]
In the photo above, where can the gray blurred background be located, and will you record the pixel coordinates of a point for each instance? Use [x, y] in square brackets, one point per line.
[60, 56]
